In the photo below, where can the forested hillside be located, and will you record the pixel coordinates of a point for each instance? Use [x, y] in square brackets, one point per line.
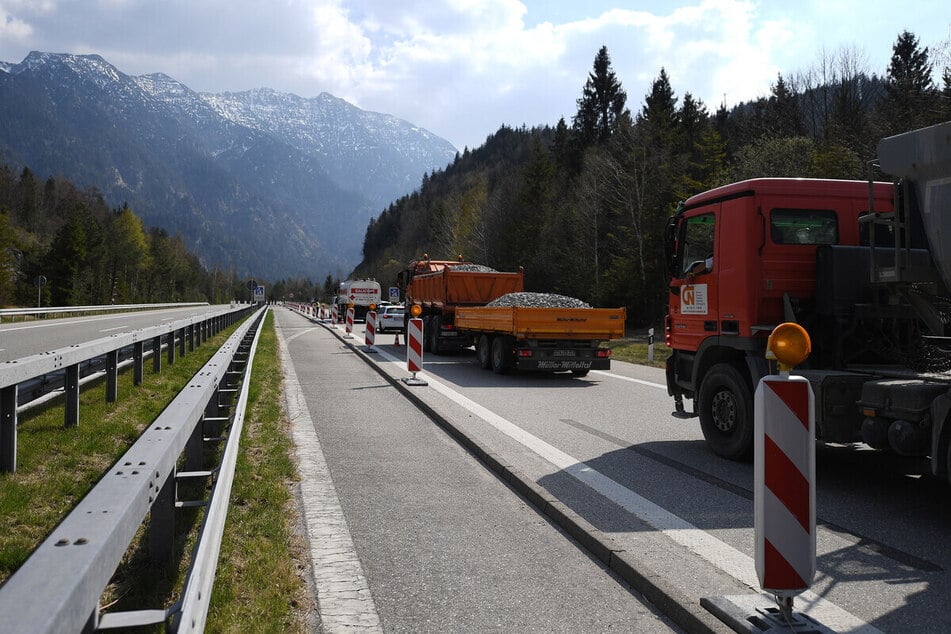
[91, 254]
[582, 205]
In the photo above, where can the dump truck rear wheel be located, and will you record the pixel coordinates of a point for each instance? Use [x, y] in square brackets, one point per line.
[725, 405]
[434, 325]
[484, 352]
[501, 355]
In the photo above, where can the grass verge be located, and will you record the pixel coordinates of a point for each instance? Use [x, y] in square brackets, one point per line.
[634, 349]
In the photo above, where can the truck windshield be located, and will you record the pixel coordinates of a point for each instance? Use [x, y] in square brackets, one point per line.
[803, 226]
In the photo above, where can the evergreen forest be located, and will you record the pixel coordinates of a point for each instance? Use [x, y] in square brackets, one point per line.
[85, 253]
[582, 205]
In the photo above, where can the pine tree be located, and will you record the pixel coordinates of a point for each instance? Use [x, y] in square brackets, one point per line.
[910, 96]
[602, 102]
[784, 114]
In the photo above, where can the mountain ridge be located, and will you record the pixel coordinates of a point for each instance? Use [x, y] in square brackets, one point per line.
[267, 183]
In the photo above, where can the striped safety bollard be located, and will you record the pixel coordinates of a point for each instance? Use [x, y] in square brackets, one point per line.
[414, 351]
[784, 467]
[370, 331]
[333, 315]
[349, 325]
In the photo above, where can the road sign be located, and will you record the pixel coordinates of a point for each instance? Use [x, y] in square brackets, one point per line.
[394, 294]
[259, 293]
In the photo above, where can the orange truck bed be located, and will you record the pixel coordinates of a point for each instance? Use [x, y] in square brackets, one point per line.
[446, 288]
[543, 323]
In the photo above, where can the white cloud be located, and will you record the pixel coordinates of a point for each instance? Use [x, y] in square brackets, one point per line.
[460, 67]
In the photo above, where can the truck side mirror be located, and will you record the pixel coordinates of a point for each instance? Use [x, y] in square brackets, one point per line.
[671, 259]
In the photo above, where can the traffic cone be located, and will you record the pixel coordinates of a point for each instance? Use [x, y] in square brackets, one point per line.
[396, 341]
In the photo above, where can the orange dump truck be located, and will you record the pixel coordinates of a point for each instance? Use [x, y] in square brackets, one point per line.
[452, 298]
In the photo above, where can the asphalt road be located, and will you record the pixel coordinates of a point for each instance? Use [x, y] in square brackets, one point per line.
[20, 339]
[604, 451]
[410, 533]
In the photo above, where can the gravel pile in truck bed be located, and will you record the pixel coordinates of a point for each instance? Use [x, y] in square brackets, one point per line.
[473, 268]
[538, 300]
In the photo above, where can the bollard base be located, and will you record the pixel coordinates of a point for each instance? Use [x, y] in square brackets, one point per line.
[759, 614]
[348, 336]
[412, 380]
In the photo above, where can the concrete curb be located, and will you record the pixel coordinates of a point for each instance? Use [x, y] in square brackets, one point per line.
[685, 611]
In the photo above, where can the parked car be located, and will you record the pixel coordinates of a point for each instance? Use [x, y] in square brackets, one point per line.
[390, 319]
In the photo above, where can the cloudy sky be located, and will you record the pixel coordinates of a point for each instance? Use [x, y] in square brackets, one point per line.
[461, 68]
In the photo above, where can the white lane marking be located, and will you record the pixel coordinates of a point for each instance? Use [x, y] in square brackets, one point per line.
[629, 379]
[725, 557]
[343, 594]
[111, 329]
[18, 327]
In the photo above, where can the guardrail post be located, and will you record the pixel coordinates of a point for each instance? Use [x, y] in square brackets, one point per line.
[156, 354]
[171, 347]
[191, 337]
[138, 362]
[112, 376]
[195, 447]
[162, 523]
[71, 385]
[8, 429]
[181, 341]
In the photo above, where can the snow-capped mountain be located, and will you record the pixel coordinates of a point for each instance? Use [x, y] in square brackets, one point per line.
[268, 183]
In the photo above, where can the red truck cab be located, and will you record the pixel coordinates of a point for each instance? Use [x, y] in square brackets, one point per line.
[742, 259]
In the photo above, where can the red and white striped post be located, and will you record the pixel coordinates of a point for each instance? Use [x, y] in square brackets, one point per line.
[349, 325]
[784, 467]
[414, 351]
[370, 331]
[333, 315]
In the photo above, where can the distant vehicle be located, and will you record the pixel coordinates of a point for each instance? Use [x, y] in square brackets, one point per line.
[361, 294]
[390, 319]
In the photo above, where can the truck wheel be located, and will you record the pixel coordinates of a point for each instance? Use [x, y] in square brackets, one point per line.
[427, 324]
[501, 355]
[726, 412]
[579, 373]
[434, 325]
[484, 352]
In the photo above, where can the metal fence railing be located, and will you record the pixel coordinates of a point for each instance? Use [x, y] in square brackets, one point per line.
[58, 588]
[64, 367]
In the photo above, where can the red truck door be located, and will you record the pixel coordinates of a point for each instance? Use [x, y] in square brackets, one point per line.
[696, 308]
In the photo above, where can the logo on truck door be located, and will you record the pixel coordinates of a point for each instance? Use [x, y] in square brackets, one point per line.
[693, 299]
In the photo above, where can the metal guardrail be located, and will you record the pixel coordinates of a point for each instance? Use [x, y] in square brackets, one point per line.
[59, 587]
[59, 310]
[67, 361]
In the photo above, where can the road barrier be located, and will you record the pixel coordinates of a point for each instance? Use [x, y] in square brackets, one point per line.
[370, 331]
[414, 351]
[64, 368]
[349, 325]
[59, 588]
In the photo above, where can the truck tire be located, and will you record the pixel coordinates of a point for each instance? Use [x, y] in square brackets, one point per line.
[501, 355]
[484, 352]
[433, 337]
[427, 326]
[725, 404]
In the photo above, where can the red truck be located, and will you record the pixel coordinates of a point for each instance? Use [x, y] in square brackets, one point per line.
[452, 295]
[863, 266]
